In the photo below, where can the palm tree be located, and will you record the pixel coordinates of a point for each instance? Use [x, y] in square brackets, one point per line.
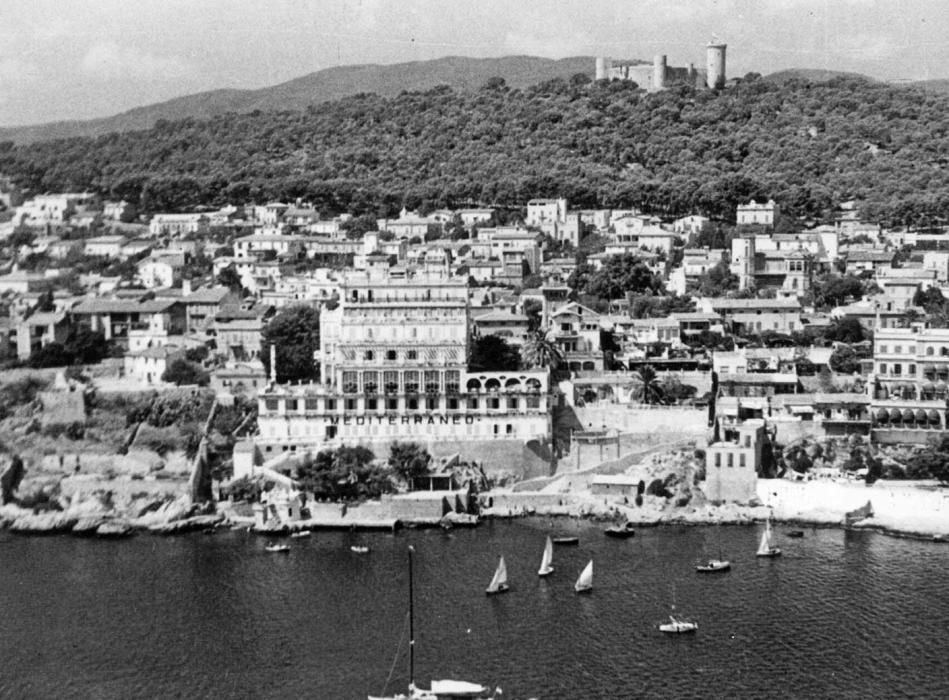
[541, 351]
[647, 386]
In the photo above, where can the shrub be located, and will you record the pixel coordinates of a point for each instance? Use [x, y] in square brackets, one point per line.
[185, 372]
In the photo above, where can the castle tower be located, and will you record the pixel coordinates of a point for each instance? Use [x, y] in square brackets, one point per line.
[715, 65]
[603, 66]
[658, 72]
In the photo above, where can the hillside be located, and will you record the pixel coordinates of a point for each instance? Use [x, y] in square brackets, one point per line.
[808, 145]
[323, 86]
[811, 75]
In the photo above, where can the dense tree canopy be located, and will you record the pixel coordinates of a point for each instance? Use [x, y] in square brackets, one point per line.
[295, 333]
[492, 353]
[807, 145]
[621, 274]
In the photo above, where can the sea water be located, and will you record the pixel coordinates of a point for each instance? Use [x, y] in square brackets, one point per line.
[840, 614]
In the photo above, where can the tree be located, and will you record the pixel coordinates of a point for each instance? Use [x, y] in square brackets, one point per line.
[86, 346]
[621, 274]
[834, 290]
[647, 387]
[182, 371]
[533, 309]
[717, 281]
[10, 479]
[229, 277]
[491, 353]
[295, 333]
[846, 330]
[356, 227]
[409, 460]
[846, 358]
[541, 351]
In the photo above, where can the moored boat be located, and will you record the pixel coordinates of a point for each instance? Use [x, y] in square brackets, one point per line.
[621, 531]
[566, 540]
[274, 547]
[795, 533]
[300, 534]
[440, 689]
[677, 626]
[713, 566]
[359, 549]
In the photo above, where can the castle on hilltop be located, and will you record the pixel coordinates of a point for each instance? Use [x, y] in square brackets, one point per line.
[660, 75]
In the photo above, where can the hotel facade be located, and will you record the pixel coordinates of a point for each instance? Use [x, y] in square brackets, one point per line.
[394, 365]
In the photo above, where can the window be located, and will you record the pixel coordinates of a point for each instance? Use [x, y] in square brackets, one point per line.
[533, 401]
[411, 382]
[718, 459]
[350, 382]
[930, 350]
[747, 440]
[392, 404]
[897, 369]
[390, 382]
[330, 404]
[453, 404]
[271, 405]
[509, 429]
[411, 354]
[912, 369]
[391, 355]
[312, 405]
[349, 405]
[898, 349]
[369, 355]
[411, 403]
[452, 381]
[512, 403]
[370, 383]
[431, 404]
[494, 402]
[741, 460]
[731, 460]
[473, 403]
[291, 404]
[882, 368]
[431, 382]
[883, 348]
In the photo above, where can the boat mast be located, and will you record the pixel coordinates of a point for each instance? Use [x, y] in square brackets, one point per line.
[411, 622]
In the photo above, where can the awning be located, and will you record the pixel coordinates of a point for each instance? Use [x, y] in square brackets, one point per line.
[896, 414]
[933, 416]
[908, 415]
[802, 409]
[883, 415]
[920, 415]
[928, 386]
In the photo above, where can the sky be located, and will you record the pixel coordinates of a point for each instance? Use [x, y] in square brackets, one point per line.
[90, 58]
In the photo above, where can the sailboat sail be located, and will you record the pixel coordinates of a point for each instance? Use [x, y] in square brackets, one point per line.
[765, 545]
[585, 582]
[500, 578]
[546, 563]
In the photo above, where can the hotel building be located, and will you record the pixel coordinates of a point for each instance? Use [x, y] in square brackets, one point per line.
[909, 383]
[394, 357]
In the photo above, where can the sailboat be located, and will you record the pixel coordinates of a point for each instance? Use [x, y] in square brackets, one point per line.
[677, 625]
[584, 584]
[765, 548]
[713, 566]
[547, 561]
[440, 690]
[499, 582]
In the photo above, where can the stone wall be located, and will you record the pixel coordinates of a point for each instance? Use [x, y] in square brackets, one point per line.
[496, 457]
[662, 423]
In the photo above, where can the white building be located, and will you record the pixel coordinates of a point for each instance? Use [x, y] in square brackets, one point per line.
[178, 224]
[754, 213]
[394, 363]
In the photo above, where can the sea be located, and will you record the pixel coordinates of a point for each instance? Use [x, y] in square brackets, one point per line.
[842, 614]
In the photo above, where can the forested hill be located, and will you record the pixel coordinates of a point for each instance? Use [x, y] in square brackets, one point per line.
[322, 86]
[809, 146]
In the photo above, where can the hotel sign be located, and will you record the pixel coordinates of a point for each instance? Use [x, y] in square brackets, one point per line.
[423, 419]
